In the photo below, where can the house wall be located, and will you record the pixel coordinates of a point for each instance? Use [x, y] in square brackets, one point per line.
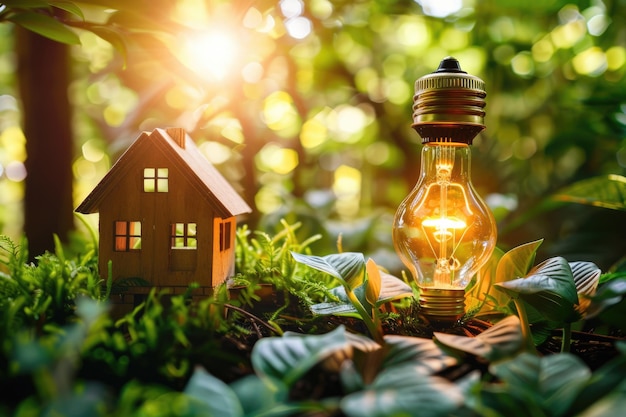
[224, 252]
[157, 211]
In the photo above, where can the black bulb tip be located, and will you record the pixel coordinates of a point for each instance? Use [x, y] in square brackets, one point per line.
[450, 64]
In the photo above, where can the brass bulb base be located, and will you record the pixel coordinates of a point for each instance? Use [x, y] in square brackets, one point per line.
[449, 104]
[442, 306]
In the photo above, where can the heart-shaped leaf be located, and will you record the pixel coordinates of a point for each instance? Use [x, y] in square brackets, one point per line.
[605, 191]
[422, 355]
[499, 341]
[45, 26]
[256, 396]
[552, 382]
[403, 391]
[216, 397]
[517, 262]
[586, 278]
[609, 294]
[607, 380]
[390, 288]
[347, 267]
[288, 358]
[549, 288]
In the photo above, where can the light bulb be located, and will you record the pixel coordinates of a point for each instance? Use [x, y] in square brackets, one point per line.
[443, 231]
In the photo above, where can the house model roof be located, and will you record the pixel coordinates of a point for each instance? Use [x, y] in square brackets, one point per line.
[183, 153]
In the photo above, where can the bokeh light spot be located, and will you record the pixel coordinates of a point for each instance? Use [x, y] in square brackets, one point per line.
[298, 27]
[522, 64]
[591, 61]
[15, 171]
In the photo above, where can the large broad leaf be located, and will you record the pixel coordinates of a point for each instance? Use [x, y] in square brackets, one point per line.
[604, 382]
[401, 391]
[610, 303]
[217, 397]
[586, 278]
[517, 262]
[549, 288]
[288, 358]
[256, 396]
[499, 341]
[379, 287]
[553, 382]
[606, 191]
[347, 267]
[420, 354]
[45, 26]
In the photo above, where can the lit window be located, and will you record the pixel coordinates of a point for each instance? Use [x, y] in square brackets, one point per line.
[127, 236]
[184, 236]
[155, 180]
[225, 232]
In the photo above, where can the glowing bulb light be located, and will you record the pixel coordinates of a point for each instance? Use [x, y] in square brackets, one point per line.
[443, 231]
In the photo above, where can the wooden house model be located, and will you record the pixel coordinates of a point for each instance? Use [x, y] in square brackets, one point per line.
[167, 215]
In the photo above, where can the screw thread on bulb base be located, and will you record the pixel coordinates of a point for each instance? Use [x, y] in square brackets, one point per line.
[442, 306]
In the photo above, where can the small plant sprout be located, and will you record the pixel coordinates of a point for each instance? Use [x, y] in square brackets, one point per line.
[364, 288]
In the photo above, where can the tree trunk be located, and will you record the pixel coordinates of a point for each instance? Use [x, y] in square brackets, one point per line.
[43, 77]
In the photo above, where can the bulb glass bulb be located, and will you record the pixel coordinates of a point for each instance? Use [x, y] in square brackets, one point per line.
[443, 231]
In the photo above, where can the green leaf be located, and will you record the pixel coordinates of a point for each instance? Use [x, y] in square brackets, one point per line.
[68, 7]
[334, 308]
[288, 358]
[549, 288]
[606, 191]
[345, 304]
[499, 341]
[217, 397]
[347, 267]
[604, 381]
[255, 396]
[586, 279]
[610, 294]
[517, 262]
[112, 36]
[45, 26]
[404, 392]
[552, 381]
[420, 354]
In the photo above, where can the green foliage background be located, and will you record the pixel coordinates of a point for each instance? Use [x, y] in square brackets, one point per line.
[316, 128]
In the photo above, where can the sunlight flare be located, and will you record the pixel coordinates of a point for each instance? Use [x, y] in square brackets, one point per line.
[212, 54]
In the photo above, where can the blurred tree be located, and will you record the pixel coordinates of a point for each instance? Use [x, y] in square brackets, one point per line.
[43, 67]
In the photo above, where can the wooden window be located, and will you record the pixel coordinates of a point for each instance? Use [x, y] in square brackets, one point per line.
[225, 235]
[183, 236]
[155, 180]
[127, 236]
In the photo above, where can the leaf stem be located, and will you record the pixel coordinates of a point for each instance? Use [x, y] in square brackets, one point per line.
[526, 333]
[566, 340]
[374, 328]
